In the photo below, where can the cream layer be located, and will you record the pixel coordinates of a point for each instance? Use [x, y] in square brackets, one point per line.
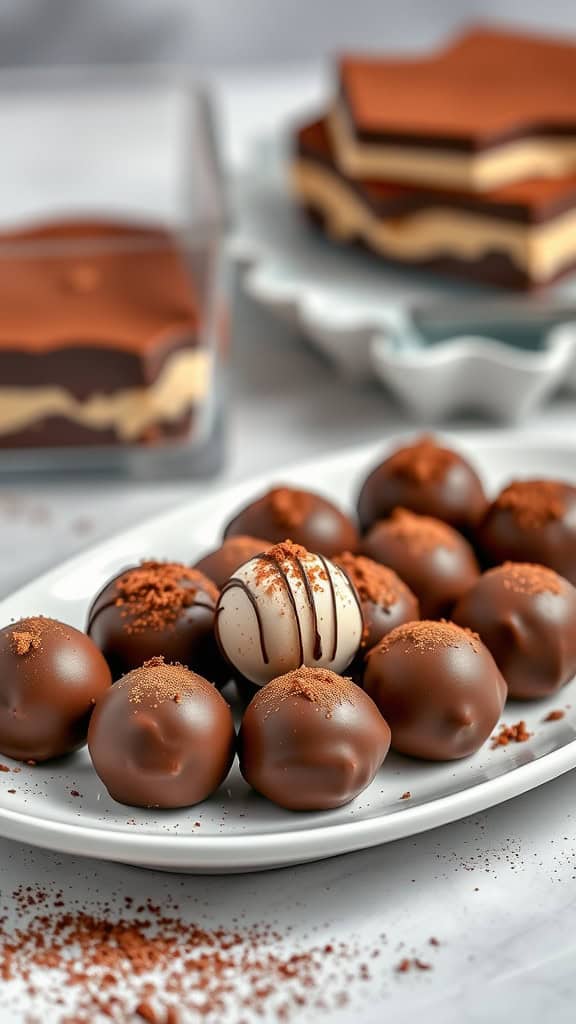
[546, 157]
[184, 381]
[542, 250]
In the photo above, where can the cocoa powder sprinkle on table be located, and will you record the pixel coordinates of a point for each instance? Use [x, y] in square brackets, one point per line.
[88, 966]
[517, 733]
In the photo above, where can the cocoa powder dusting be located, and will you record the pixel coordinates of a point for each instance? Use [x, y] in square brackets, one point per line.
[24, 641]
[79, 967]
[291, 560]
[420, 533]
[157, 681]
[320, 686]
[428, 635]
[422, 462]
[289, 507]
[517, 733]
[527, 578]
[27, 635]
[153, 595]
[533, 503]
[374, 582]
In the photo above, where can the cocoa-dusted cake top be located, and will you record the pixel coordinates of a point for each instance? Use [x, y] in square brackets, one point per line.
[94, 283]
[486, 87]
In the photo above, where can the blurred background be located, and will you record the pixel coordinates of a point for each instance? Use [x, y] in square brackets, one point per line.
[246, 32]
[291, 389]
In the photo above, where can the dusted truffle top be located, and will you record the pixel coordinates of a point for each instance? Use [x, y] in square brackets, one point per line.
[320, 686]
[533, 503]
[153, 595]
[305, 517]
[427, 478]
[420, 533]
[374, 582]
[422, 461]
[527, 578]
[429, 635]
[157, 682]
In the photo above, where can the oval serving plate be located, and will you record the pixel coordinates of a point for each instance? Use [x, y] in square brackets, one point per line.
[63, 806]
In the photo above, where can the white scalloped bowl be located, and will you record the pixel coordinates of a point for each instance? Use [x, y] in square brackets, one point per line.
[356, 311]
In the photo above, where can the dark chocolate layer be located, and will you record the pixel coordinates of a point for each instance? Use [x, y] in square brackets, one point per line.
[527, 202]
[59, 432]
[87, 370]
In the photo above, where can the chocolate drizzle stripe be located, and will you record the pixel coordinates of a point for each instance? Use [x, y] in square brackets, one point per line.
[317, 650]
[334, 605]
[273, 561]
[240, 585]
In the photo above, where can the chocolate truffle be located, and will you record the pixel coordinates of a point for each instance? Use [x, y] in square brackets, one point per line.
[438, 688]
[51, 675]
[532, 521]
[427, 479]
[526, 616]
[306, 518]
[287, 608]
[162, 737]
[156, 608]
[311, 740]
[219, 565]
[436, 562]
[385, 599]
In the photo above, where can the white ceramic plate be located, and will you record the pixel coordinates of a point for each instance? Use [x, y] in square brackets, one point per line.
[357, 311]
[236, 830]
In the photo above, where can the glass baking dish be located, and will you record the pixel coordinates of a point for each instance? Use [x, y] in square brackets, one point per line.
[113, 284]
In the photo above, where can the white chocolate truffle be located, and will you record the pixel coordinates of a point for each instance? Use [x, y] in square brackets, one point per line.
[287, 608]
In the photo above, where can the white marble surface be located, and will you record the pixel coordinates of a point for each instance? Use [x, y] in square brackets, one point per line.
[498, 890]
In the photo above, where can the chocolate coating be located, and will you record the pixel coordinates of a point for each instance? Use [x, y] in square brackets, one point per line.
[219, 565]
[156, 608]
[526, 616]
[436, 562]
[385, 599]
[162, 737]
[51, 675]
[532, 521]
[427, 479]
[438, 687]
[305, 518]
[311, 740]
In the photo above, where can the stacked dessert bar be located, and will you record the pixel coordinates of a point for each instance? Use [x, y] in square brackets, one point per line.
[462, 162]
[100, 336]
